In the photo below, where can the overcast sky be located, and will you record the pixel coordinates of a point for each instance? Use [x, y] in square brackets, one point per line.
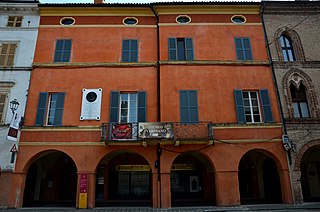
[125, 1]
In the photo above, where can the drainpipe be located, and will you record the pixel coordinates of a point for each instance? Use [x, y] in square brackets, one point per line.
[158, 63]
[283, 121]
[157, 164]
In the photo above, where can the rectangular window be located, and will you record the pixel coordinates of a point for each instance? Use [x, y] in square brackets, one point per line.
[188, 106]
[7, 53]
[50, 109]
[243, 48]
[14, 21]
[248, 106]
[3, 98]
[180, 49]
[129, 51]
[127, 107]
[63, 51]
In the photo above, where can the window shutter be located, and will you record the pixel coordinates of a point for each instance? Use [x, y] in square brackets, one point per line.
[193, 106]
[239, 106]
[172, 48]
[125, 50]
[59, 109]
[63, 51]
[266, 106]
[41, 110]
[67, 50]
[184, 106]
[134, 51]
[114, 106]
[189, 48]
[246, 49]
[142, 99]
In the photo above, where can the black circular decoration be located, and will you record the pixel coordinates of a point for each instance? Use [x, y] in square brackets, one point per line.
[91, 96]
[67, 21]
[130, 21]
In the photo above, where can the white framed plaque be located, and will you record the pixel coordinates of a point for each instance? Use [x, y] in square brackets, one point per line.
[91, 104]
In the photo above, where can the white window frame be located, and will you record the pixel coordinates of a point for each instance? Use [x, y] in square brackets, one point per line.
[5, 88]
[251, 106]
[48, 108]
[128, 108]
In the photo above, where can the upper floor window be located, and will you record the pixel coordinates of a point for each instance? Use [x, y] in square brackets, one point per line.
[238, 19]
[127, 107]
[243, 48]
[183, 19]
[180, 49]
[130, 21]
[50, 109]
[7, 53]
[14, 21]
[287, 50]
[63, 51]
[67, 21]
[129, 51]
[248, 106]
[299, 102]
[188, 106]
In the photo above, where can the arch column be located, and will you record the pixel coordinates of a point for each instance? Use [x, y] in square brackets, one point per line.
[285, 186]
[165, 190]
[227, 188]
[17, 191]
[91, 189]
[296, 186]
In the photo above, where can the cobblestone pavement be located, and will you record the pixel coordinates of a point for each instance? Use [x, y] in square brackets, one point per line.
[251, 208]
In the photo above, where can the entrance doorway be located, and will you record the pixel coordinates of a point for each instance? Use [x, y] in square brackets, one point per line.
[51, 181]
[259, 181]
[124, 180]
[310, 175]
[192, 181]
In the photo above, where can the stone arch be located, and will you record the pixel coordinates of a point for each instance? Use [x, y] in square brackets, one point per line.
[297, 77]
[303, 150]
[295, 40]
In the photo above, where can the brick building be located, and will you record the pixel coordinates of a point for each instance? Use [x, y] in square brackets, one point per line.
[159, 105]
[292, 29]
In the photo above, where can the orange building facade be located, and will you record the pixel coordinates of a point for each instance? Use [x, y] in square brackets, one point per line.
[158, 105]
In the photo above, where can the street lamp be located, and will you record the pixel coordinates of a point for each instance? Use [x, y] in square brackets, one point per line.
[14, 104]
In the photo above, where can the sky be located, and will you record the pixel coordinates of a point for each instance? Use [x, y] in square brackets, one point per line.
[124, 1]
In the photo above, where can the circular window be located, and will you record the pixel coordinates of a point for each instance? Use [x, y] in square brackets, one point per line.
[91, 96]
[67, 21]
[130, 21]
[238, 19]
[183, 19]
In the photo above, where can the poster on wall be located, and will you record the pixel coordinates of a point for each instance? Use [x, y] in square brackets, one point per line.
[91, 104]
[155, 130]
[121, 131]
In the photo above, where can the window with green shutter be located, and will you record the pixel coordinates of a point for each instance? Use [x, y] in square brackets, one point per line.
[129, 51]
[50, 109]
[63, 50]
[243, 48]
[188, 106]
[180, 49]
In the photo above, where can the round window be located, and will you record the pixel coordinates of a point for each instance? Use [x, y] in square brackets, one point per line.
[238, 19]
[91, 96]
[67, 21]
[130, 21]
[183, 19]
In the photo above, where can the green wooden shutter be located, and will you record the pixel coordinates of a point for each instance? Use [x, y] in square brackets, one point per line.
[42, 107]
[134, 51]
[62, 51]
[142, 99]
[243, 48]
[266, 106]
[189, 49]
[114, 106]
[59, 109]
[239, 106]
[172, 48]
[193, 106]
[184, 111]
[125, 51]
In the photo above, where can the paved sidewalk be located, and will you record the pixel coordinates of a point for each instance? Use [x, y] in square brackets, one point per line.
[251, 208]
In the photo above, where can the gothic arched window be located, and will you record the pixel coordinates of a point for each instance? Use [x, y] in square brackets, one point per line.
[299, 101]
[287, 50]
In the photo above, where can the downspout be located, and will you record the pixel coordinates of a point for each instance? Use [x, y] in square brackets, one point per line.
[158, 65]
[283, 121]
[158, 166]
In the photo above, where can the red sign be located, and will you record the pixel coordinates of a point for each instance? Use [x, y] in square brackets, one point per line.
[83, 183]
[121, 131]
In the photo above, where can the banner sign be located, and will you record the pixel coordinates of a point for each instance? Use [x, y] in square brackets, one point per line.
[83, 191]
[156, 130]
[14, 126]
[121, 131]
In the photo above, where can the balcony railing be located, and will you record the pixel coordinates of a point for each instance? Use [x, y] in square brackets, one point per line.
[143, 131]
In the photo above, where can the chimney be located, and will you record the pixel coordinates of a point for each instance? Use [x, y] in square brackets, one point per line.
[98, 1]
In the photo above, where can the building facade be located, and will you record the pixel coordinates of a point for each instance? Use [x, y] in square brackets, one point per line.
[292, 29]
[162, 105]
[18, 33]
